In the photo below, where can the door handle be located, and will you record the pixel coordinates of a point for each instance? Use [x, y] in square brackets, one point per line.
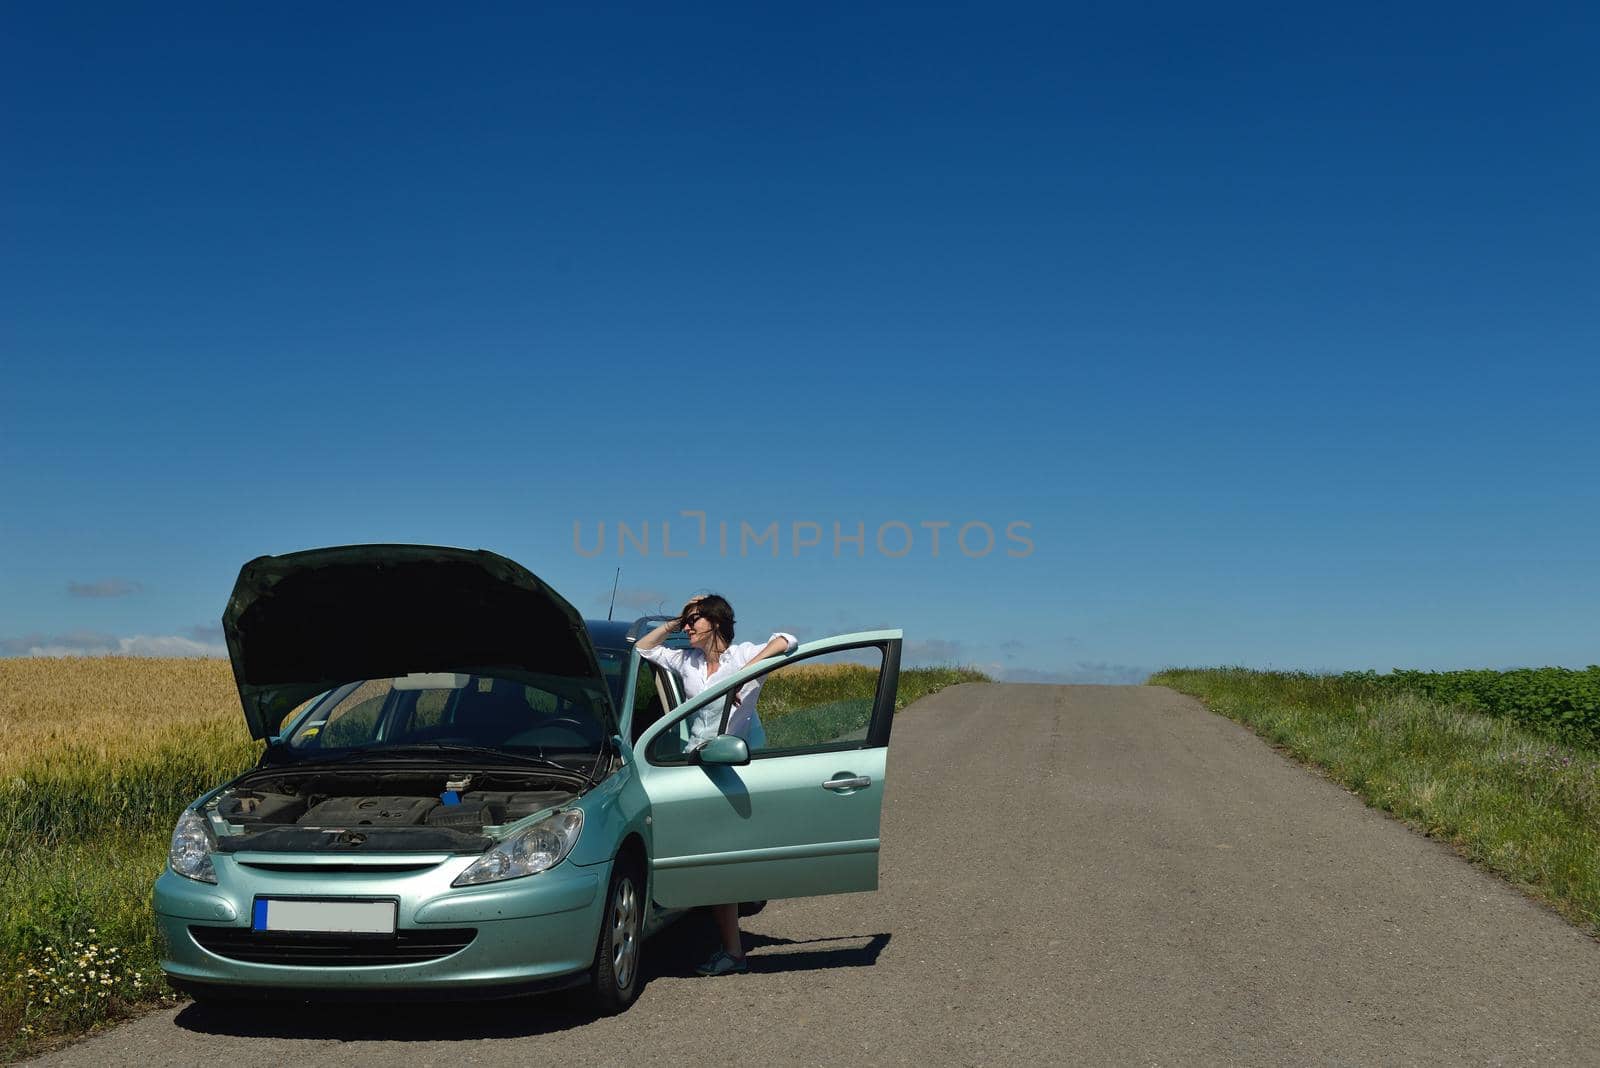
[860, 782]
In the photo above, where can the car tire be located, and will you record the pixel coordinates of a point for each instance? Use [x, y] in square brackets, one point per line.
[750, 908]
[614, 978]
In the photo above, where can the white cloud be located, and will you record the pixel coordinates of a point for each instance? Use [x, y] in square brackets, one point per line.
[168, 645]
[92, 643]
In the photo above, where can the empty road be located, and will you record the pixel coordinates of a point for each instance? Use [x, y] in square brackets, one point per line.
[1089, 874]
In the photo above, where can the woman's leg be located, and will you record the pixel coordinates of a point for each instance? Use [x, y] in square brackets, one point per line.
[727, 917]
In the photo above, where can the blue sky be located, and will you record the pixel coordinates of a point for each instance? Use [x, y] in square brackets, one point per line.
[1275, 326]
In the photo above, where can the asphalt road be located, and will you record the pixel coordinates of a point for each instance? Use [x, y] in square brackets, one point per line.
[1072, 874]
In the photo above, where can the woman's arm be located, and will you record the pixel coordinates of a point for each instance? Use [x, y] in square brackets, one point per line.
[659, 635]
[777, 645]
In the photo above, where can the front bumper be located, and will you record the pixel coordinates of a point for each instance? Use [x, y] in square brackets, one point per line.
[530, 933]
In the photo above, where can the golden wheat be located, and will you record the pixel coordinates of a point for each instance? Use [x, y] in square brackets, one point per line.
[111, 706]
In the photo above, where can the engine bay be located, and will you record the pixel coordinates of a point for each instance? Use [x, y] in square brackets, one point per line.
[387, 810]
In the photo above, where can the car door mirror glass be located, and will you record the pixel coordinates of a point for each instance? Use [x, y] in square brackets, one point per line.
[724, 749]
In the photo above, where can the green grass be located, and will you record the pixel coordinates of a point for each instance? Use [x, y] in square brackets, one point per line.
[87, 807]
[79, 935]
[842, 720]
[917, 683]
[1511, 798]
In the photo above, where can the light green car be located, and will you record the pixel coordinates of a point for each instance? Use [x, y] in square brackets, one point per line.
[464, 795]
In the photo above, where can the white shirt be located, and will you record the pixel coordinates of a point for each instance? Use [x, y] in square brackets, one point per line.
[690, 667]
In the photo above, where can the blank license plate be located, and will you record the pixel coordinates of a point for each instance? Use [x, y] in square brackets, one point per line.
[358, 917]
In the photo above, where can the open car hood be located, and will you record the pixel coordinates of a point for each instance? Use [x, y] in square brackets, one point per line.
[299, 624]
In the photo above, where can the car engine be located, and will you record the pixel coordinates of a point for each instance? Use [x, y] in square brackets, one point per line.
[286, 811]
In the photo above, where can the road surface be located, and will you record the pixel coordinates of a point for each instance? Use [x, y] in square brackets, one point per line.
[1071, 874]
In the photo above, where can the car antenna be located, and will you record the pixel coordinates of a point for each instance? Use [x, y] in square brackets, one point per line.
[613, 594]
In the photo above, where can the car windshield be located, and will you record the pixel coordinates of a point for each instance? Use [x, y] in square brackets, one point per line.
[546, 717]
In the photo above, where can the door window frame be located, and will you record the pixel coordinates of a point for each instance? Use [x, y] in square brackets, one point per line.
[879, 723]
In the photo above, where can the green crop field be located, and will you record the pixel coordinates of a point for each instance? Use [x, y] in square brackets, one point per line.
[97, 757]
[1561, 702]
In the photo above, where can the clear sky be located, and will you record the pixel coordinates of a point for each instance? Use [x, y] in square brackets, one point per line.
[1275, 325]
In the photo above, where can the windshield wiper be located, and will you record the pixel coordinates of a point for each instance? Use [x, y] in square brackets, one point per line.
[452, 747]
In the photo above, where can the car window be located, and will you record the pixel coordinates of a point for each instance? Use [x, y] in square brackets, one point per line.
[817, 704]
[560, 716]
[651, 699]
[613, 665]
[824, 702]
[352, 720]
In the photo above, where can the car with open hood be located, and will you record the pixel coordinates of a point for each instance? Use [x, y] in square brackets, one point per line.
[468, 790]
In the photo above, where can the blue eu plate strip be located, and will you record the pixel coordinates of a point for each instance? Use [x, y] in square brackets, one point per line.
[258, 917]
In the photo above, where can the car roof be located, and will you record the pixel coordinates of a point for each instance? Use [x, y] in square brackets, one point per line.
[609, 633]
[617, 634]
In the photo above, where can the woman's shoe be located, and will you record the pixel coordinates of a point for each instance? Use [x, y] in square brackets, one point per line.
[721, 963]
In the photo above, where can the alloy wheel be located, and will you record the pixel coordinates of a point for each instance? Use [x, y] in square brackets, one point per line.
[625, 933]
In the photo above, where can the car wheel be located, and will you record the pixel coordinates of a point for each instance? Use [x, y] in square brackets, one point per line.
[750, 908]
[614, 979]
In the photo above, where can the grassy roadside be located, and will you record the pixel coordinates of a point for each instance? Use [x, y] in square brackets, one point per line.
[917, 683]
[1524, 806]
[97, 757]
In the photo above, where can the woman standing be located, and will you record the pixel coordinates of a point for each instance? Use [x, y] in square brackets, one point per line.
[707, 620]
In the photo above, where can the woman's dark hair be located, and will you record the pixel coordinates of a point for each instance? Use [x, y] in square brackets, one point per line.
[716, 610]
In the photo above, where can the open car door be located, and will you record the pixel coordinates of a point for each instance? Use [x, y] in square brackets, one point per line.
[801, 817]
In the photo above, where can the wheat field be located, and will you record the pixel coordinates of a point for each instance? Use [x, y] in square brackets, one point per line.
[110, 706]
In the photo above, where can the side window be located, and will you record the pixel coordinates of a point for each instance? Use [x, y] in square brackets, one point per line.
[820, 703]
[650, 698]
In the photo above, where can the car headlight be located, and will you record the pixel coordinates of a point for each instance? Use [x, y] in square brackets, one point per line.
[190, 855]
[533, 849]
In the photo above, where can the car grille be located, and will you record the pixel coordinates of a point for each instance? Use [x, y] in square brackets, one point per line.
[340, 869]
[331, 950]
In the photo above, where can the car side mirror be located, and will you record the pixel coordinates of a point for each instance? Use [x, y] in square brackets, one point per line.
[725, 749]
